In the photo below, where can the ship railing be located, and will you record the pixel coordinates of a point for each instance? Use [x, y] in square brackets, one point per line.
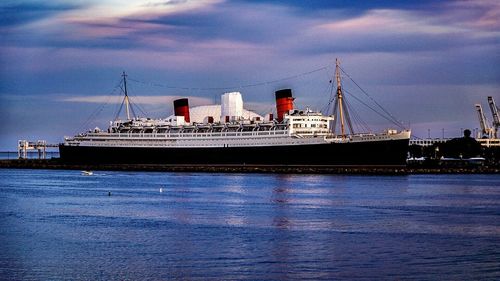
[103, 136]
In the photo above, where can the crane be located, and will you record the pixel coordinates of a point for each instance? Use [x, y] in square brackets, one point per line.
[494, 112]
[486, 131]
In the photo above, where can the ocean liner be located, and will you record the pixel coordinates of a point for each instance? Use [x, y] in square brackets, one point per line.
[292, 137]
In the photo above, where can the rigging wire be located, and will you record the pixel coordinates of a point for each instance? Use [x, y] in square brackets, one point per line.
[335, 108]
[136, 105]
[132, 108]
[348, 111]
[99, 109]
[131, 104]
[228, 87]
[119, 110]
[394, 119]
[360, 124]
[347, 116]
[232, 87]
[141, 109]
[373, 109]
[326, 108]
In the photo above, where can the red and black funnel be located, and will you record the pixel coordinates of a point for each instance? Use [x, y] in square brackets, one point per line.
[284, 102]
[181, 108]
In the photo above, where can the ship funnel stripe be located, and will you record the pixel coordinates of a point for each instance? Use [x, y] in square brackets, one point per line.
[181, 102]
[181, 108]
[284, 93]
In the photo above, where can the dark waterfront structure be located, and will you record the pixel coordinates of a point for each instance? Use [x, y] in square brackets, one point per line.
[464, 147]
[464, 151]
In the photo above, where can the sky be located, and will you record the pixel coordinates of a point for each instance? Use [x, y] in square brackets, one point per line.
[425, 62]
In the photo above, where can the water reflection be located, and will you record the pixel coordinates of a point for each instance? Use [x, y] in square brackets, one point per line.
[280, 195]
[280, 199]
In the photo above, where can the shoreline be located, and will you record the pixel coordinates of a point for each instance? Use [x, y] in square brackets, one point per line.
[56, 164]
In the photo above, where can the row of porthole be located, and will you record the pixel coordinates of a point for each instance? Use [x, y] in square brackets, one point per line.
[373, 138]
[192, 140]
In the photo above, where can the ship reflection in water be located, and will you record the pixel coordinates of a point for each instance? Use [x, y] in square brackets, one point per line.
[61, 224]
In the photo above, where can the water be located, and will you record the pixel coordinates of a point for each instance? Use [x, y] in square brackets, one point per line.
[62, 225]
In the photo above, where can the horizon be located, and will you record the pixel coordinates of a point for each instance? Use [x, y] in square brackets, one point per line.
[428, 63]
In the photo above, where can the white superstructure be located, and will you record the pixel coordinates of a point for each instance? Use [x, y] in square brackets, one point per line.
[298, 128]
[231, 107]
[200, 113]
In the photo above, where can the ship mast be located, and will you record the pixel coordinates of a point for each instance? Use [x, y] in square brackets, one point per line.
[127, 104]
[339, 97]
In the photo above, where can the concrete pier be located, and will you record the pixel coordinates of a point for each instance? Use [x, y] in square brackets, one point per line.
[23, 146]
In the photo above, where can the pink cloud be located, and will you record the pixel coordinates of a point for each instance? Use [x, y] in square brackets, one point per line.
[479, 14]
[386, 21]
[147, 100]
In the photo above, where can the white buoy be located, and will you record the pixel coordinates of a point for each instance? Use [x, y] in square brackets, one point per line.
[161, 189]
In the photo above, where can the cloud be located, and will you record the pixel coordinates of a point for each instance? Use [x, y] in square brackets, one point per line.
[479, 15]
[395, 31]
[12, 14]
[237, 41]
[352, 7]
[386, 21]
[165, 3]
[223, 22]
[59, 46]
[188, 28]
[146, 100]
[97, 24]
[116, 9]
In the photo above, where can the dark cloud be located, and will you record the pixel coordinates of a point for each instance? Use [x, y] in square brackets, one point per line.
[225, 22]
[393, 43]
[353, 7]
[22, 13]
[109, 42]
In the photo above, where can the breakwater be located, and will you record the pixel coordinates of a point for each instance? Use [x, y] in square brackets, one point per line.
[55, 163]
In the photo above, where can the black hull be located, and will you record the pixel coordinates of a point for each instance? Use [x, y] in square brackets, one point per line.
[392, 152]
